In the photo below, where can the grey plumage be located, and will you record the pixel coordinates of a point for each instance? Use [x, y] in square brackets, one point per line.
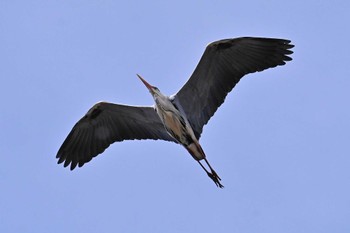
[222, 65]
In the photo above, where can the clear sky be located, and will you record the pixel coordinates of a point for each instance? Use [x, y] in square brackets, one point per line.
[280, 142]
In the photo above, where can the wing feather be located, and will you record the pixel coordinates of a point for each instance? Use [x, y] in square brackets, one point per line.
[104, 124]
[222, 65]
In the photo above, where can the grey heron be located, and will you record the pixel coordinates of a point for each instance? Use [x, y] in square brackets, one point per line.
[178, 118]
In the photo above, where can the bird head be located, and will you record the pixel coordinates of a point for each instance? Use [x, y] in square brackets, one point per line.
[152, 89]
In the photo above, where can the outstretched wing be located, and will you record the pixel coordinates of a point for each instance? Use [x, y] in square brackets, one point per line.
[104, 124]
[222, 65]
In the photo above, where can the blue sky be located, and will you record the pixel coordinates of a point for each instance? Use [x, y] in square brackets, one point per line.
[280, 142]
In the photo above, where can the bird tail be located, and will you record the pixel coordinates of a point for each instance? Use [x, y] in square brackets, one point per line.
[196, 150]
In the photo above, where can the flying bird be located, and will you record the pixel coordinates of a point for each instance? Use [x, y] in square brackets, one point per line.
[178, 118]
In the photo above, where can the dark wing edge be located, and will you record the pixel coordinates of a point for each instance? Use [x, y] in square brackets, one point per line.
[104, 124]
[221, 67]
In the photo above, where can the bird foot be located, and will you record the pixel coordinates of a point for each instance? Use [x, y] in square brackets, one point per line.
[215, 178]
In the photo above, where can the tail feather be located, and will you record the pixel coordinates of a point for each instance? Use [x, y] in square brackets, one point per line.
[196, 150]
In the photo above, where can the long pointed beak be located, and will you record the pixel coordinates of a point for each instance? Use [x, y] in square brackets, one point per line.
[149, 86]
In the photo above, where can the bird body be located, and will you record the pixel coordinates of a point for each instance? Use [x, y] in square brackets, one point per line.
[176, 124]
[181, 117]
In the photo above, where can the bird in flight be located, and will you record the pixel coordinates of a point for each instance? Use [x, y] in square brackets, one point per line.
[178, 118]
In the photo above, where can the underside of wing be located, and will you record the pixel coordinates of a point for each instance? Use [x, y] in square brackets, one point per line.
[221, 67]
[104, 124]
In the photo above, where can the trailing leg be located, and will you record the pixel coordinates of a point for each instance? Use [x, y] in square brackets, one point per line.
[212, 174]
